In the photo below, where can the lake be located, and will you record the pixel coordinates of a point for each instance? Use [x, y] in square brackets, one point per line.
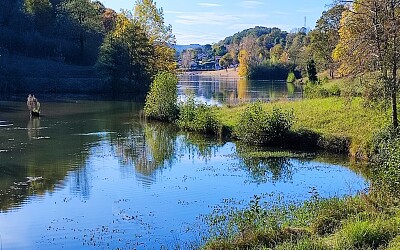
[94, 174]
[217, 90]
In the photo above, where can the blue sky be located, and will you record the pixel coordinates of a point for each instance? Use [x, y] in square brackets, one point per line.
[209, 21]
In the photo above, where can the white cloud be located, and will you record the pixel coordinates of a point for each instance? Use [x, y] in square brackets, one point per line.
[173, 12]
[251, 4]
[189, 38]
[209, 4]
[205, 18]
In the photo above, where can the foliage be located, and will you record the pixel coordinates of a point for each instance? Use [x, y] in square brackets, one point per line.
[258, 127]
[291, 78]
[368, 234]
[243, 63]
[84, 19]
[198, 117]
[124, 56]
[160, 35]
[368, 42]
[386, 152]
[226, 60]
[312, 90]
[161, 100]
[40, 10]
[321, 119]
[271, 72]
[312, 71]
[325, 37]
[313, 224]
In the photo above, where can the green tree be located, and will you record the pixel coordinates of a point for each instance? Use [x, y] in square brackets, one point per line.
[219, 50]
[370, 41]
[160, 35]
[325, 37]
[125, 54]
[40, 10]
[312, 71]
[85, 20]
[276, 53]
[226, 60]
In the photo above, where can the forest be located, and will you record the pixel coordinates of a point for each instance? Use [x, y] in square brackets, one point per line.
[45, 42]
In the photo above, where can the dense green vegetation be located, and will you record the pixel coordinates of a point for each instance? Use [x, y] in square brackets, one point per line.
[67, 38]
[162, 98]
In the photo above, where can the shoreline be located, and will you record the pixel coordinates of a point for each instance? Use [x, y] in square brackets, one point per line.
[230, 73]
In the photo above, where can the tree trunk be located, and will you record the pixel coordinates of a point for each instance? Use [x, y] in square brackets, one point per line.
[394, 97]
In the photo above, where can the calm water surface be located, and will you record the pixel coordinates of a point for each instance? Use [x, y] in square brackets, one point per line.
[217, 90]
[94, 174]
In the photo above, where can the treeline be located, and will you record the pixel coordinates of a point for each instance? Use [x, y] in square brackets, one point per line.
[126, 48]
[270, 53]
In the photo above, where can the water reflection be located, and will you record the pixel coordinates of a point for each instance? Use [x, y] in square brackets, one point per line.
[102, 163]
[217, 90]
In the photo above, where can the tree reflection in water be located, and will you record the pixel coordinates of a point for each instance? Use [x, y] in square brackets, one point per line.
[264, 169]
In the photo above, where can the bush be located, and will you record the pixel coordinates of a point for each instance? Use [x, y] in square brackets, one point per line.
[386, 158]
[161, 101]
[313, 90]
[367, 234]
[306, 244]
[291, 77]
[259, 127]
[198, 117]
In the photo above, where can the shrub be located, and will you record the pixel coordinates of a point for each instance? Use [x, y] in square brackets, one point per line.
[394, 244]
[386, 158]
[313, 90]
[367, 234]
[161, 101]
[259, 127]
[198, 117]
[291, 77]
[306, 244]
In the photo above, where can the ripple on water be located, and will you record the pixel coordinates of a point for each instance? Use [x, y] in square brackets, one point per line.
[7, 125]
[41, 138]
[99, 134]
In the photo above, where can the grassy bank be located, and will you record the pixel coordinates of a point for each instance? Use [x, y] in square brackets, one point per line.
[334, 120]
[336, 224]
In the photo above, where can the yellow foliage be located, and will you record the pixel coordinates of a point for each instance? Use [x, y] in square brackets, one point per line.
[243, 63]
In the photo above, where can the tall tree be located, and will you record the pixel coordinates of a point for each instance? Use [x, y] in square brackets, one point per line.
[325, 37]
[85, 20]
[40, 10]
[125, 55]
[370, 41]
[160, 35]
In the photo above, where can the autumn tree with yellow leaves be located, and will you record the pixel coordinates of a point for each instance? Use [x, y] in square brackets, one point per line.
[370, 41]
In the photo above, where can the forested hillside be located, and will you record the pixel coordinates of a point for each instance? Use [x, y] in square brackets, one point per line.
[81, 46]
[270, 53]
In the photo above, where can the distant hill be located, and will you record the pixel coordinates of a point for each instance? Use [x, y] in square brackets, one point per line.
[180, 48]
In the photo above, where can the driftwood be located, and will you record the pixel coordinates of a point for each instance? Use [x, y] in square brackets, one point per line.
[33, 106]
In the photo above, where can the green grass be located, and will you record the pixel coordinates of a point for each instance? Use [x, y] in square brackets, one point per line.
[351, 223]
[331, 118]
